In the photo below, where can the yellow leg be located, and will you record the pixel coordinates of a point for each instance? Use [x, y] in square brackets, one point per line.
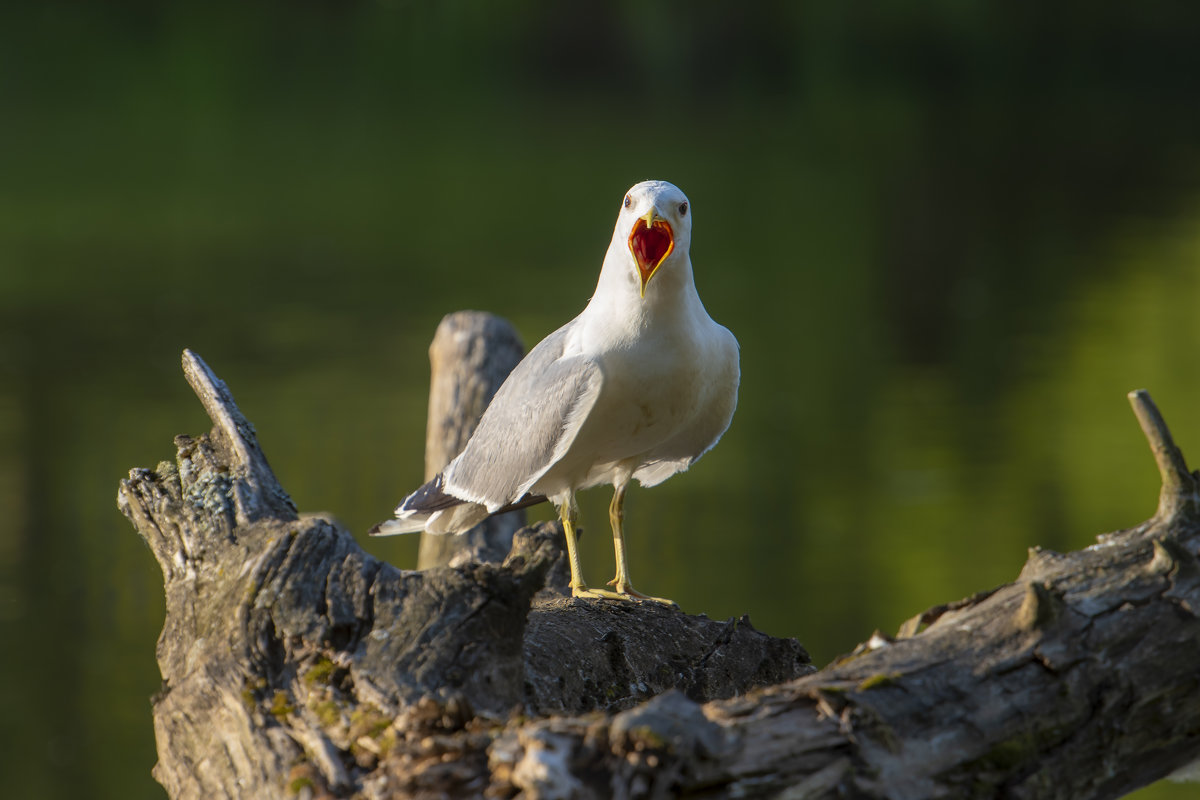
[616, 517]
[569, 514]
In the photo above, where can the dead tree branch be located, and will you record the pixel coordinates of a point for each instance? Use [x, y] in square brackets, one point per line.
[293, 661]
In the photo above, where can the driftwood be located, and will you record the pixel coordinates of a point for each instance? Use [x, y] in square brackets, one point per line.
[295, 663]
[293, 660]
[471, 355]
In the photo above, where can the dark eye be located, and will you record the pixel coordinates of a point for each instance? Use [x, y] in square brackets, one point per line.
[628, 201]
[683, 209]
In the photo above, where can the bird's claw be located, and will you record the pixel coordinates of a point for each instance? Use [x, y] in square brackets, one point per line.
[595, 594]
[628, 593]
[625, 590]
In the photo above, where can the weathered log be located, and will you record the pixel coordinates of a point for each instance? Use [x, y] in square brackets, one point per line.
[1077, 680]
[292, 658]
[471, 355]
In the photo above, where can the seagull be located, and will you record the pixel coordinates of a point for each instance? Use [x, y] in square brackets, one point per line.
[640, 385]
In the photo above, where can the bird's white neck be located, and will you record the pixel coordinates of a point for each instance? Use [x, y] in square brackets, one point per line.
[670, 292]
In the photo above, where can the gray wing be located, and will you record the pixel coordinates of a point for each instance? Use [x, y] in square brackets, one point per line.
[528, 426]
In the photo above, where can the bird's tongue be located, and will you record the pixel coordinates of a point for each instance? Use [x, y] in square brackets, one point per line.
[650, 246]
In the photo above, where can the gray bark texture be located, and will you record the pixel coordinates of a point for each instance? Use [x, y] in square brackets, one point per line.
[294, 664]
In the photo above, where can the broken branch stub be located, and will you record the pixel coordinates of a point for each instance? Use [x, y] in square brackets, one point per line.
[470, 356]
[1180, 494]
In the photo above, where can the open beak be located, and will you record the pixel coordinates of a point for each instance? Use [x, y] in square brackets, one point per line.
[650, 244]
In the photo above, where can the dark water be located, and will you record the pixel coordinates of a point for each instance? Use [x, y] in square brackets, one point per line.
[949, 239]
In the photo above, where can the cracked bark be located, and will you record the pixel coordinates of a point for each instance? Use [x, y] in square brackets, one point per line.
[294, 662]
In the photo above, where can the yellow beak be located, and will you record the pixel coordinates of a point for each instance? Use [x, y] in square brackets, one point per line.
[650, 245]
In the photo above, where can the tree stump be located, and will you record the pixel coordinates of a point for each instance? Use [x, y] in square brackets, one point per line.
[471, 355]
[295, 664]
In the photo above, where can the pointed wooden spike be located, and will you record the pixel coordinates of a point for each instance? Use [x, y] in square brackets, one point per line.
[1180, 495]
[257, 493]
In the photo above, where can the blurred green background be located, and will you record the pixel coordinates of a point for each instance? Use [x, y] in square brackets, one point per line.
[949, 236]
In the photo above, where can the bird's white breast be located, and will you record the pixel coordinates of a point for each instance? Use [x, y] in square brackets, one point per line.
[670, 376]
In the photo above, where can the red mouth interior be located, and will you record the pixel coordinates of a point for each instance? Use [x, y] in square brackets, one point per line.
[650, 246]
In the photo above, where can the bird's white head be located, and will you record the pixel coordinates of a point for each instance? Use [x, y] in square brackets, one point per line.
[655, 223]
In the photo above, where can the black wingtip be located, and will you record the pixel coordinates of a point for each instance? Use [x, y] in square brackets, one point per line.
[430, 497]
